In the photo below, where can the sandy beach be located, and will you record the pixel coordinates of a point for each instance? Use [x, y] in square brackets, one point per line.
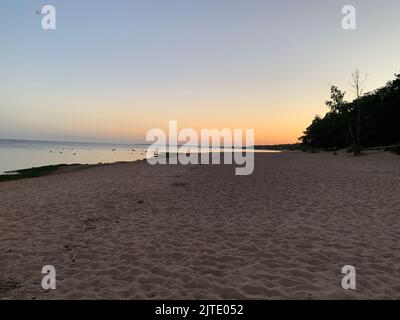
[135, 231]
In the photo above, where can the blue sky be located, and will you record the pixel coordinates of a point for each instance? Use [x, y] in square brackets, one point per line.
[114, 69]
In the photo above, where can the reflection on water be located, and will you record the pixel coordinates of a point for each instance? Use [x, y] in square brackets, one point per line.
[22, 154]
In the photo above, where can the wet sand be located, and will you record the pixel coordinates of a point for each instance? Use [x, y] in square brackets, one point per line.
[135, 231]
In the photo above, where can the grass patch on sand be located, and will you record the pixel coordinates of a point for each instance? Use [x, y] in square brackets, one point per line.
[29, 173]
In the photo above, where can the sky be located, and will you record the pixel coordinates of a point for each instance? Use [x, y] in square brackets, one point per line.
[112, 70]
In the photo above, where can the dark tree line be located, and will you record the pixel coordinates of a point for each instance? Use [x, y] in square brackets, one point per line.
[371, 120]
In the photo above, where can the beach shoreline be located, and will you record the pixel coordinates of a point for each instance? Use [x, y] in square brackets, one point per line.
[135, 231]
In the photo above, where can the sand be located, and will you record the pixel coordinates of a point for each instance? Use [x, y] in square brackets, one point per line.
[134, 231]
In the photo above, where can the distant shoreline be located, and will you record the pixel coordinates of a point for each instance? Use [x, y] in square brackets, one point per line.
[256, 147]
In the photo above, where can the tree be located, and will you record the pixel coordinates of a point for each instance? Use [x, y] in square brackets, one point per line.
[338, 105]
[358, 87]
[375, 116]
[337, 100]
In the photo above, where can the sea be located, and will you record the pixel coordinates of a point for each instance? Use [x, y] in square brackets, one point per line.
[25, 154]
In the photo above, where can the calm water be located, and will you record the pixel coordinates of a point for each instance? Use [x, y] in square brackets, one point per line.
[22, 154]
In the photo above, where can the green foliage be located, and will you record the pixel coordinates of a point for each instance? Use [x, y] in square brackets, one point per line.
[380, 120]
[29, 173]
